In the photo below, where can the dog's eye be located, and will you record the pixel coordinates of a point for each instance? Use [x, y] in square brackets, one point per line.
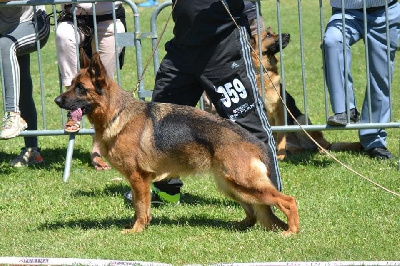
[80, 90]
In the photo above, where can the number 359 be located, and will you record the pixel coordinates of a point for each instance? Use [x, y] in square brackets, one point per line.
[233, 92]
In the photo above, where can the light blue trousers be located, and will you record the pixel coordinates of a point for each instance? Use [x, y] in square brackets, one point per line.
[378, 66]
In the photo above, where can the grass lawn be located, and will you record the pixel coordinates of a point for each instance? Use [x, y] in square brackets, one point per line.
[343, 217]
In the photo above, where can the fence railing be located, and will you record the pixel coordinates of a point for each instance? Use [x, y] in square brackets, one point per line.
[137, 60]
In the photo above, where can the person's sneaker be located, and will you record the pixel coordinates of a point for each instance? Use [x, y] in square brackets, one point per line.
[157, 197]
[340, 119]
[148, 3]
[13, 125]
[380, 153]
[27, 157]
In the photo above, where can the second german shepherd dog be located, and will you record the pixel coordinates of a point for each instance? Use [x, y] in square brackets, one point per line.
[272, 81]
[147, 142]
[293, 141]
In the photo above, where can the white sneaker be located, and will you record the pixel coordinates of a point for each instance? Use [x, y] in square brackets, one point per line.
[13, 125]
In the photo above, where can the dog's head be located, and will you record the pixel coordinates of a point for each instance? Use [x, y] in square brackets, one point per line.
[270, 42]
[88, 84]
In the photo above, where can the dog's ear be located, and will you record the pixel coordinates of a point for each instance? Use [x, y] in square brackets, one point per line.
[83, 58]
[98, 73]
[254, 43]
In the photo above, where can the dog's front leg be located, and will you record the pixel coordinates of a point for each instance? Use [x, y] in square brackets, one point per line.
[141, 202]
[281, 146]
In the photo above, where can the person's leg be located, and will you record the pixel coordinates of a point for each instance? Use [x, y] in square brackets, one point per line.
[95, 156]
[291, 105]
[30, 154]
[175, 83]
[26, 102]
[334, 64]
[230, 81]
[106, 40]
[66, 44]
[379, 75]
[21, 41]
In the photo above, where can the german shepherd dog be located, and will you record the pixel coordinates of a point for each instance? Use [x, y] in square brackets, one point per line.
[291, 142]
[147, 142]
[272, 82]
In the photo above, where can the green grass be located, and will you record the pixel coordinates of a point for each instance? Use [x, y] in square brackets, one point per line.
[342, 216]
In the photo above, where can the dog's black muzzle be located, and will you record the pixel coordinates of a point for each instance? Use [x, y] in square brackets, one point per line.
[285, 39]
[60, 101]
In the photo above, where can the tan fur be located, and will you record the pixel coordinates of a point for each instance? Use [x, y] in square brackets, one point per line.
[147, 142]
[272, 86]
[292, 142]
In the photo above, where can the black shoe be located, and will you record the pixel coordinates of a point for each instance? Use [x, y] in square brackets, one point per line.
[155, 198]
[380, 153]
[340, 119]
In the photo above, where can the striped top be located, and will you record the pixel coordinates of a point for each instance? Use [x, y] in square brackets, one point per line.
[358, 4]
[12, 16]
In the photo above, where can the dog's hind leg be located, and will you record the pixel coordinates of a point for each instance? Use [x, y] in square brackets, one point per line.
[141, 202]
[247, 182]
[287, 204]
[262, 198]
[262, 195]
[251, 218]
[224, 185]
[268, 219]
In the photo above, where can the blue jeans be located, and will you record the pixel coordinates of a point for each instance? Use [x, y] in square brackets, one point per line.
[378, 66]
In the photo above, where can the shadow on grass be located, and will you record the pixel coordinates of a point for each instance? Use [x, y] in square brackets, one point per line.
[314, 158]
[118, 190]
[111, 190]
[308, 158]
[126, 223]
[54, 159]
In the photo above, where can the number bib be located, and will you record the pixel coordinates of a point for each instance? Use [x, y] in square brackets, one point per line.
[234, 99]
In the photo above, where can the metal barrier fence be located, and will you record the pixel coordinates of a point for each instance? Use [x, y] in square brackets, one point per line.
[126, 39]
[134, 37]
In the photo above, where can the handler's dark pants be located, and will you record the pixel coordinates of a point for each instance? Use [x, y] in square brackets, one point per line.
[224, 69]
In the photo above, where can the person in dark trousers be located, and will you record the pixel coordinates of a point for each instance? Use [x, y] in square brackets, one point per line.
[209, 52]
[250, 10]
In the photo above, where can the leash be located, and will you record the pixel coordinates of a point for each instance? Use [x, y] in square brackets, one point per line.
[225, 4]
[154, 50]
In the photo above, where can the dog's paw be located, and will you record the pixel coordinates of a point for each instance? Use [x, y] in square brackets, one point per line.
[136, 228]
[289, 232]
[132, 230]
[246, 223]
[281, 154]
[281, 157]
